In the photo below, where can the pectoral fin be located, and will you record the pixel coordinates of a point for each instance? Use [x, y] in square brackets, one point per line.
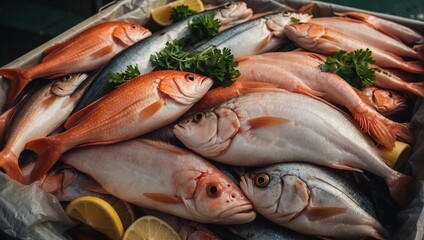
[93, 187]
[320, 213]
[152, 109]
[266, 122]
[102, 52]
[50, 51]
[163, 198]
[120, 37]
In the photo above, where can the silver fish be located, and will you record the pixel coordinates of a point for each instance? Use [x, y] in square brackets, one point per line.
[311, 200]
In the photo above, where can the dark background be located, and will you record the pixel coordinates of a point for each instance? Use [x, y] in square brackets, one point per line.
[26, 24]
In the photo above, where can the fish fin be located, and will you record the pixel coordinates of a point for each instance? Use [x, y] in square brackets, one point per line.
[165, 146]
[102, 52]
[345, 167]
[80, 115]
[364, 98]
[50, 51]
[152, 109]
[47, 155]
[18, 80]
[100, 143]
[57, 75]
[266, 122]
[264, 42]
[9, 162]
[92, 187]
[399, 188]
[307, 8]
[329, 39]
[241, 59]
[4, 121]
[414, 67]
[319, 213]
[303, 89]
[120, 37]
[404, 131]
[163, 198]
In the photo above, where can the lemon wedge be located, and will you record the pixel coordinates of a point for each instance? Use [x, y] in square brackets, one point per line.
[98, 214]
[162, 15]
[150, 228]
[125, 211]
[397, 156]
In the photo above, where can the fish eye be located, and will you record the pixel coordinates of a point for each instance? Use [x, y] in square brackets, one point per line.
[133, 26]
[390, 94]
[286, 13]
[262, 180]
[190, 77]
[198, 117]
[228, 5]
[213, 190]
[68, 77]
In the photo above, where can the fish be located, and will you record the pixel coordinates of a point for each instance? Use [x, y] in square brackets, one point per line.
[186, 229]
[256, 36]
[362, 32]
[4, 120]
[265, 128]
[323, 40]
[311, 200]
[160, 176]
[85, 52]
[299, 72]
[139, 54]
[387, 102]
[136, 107]
[37, 116]
[390, 28]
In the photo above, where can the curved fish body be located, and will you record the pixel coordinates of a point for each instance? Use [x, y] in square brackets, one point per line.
[311, 200]
[387, 102]
[320, 39]
[299, 72]
[166, 178]
[39, 115]
[362, 32]
[85, 52]
[395, 30]
[256, 36]
[139, 53]
[144, 104]
[259, 129]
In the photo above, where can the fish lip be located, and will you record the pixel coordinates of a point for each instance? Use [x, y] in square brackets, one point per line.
[239, 214]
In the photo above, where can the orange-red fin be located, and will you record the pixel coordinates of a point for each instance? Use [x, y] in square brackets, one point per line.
[345, 167]
[152, 109]
[4, 121]
[50, 51]
[47, 156]
[163, 198]
[102, 52]
[303, 89]
[321, 213]
[400, 188]
[54, 76]
[307, 8]
[120, 37]
[100, 143]
[404, 131]
[329, 39]
[17, 79]
[165, 146]
[264, 42]
[261, 122]
[9, 162]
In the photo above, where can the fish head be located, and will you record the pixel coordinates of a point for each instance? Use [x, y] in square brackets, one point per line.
[208, 133]
[312, 36]
[136, 32]
[389, 102]
[67, 84]
[217, 197]
[277, 22]
[184, 87]
[233, 13]
[273, 193]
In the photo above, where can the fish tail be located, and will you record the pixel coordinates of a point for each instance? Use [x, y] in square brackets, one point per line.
[9, 162]
[399, 188]
[48, 153]
[18, 80]
[414, 67]
[403, 131]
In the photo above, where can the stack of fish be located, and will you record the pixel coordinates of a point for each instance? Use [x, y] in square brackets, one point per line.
[279, 118]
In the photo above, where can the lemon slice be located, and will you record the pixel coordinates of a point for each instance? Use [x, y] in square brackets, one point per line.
[125, 211]
[150, 228]
[162, 15]
[98, 214]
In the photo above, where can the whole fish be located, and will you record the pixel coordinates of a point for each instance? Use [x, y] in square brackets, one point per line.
[395, 30]
[163, 177]
[299, 72]
[87, 51]
[144, 104]
[139, 53]
[311, 200]
[320, 39]
[265, 128]
[39, 115]
[363, 32]
[387, 102]
[256, 36]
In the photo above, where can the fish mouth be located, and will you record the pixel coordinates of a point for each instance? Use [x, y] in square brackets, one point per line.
[238, 214]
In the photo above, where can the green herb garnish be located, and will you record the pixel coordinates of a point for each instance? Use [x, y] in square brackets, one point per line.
[294, 20]
[119, 78]
[352, 67]
[203, 27]
[181, 12]
[212, 62]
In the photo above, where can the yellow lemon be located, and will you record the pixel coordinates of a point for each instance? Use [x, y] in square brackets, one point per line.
[162, 15]
[397, 156]
[150, 228]
[125, 211]
[98, 214]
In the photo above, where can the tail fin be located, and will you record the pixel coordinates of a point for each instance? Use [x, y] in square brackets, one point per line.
[9, 162]
[18, 81]
[404, 131]
[399, 188]
[48, 154]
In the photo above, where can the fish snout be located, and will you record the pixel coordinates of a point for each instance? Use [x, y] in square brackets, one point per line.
[242, 213]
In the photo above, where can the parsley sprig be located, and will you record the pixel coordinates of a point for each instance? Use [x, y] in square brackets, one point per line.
[352, 67]
[215, 63]
[181, 12]
[119, 78]
[203, 27]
